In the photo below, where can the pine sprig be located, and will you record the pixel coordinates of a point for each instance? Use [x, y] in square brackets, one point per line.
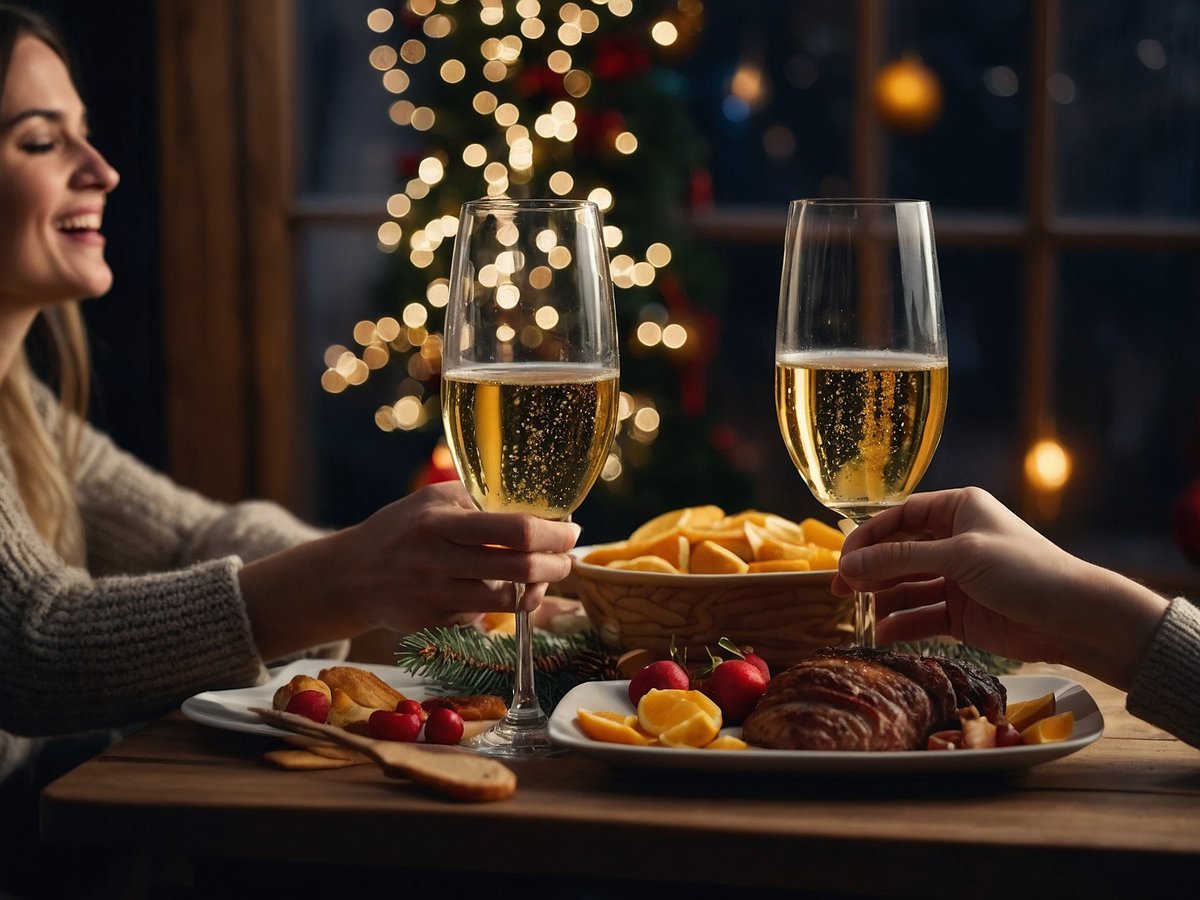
[463, 660]
[997, 665]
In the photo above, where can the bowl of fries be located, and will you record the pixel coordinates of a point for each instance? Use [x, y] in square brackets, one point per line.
[696, 575]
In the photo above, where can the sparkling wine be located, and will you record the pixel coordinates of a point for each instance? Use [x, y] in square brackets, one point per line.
[529, 437]
[861, 426]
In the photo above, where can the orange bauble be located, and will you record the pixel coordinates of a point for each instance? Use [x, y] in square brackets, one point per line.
[908, 96]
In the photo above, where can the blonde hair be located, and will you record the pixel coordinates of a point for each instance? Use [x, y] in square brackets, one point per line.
[44, 464]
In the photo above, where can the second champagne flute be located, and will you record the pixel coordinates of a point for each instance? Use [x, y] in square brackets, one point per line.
[529, 386]
[861, 375]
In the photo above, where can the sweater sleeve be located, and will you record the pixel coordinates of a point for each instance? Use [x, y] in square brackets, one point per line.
[1166, 687]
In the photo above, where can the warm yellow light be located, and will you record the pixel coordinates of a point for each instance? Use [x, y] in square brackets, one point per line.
[332, 381]
[491, 15]
[528, 8]
[588, 21]
[332, 354]
[674, 336]
[748, 84]
[545, 240]
[569, 34]
[577, 83]
[612, 468]
[510, 48]
[389, 234]
[561, 182]
[431, 170]
[559, 61]
[540, 277]
[625, 406]
[485, 103]
[546, 317]
[495, 71]
[383, 58]
[422, 7]
[563, 111]
[415, 315]
[646, 419]
[412, 51]
[453, 71]
[1048, 465]
[626, 142]
[488, 275]
[613, 236]
[417, 189]
[649, 334]
[569, 12]
[474, 155]
[423, 118]
[395, 80]
[658, 255]
[407, 411]
[494, 172]
[602, 197]
[620, 8]
[505, 333]
[376, 356]
[387, 328]
[438, 26]
[364, 333]
[643, 274]
[507, 114]
[559, 257]
[664, 33]
[533, 28]
[508, 296]
[380, 20]
[437, 292]
[401, 112]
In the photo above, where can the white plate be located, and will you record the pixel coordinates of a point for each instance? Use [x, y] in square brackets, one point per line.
[230, 709]
[614, 695]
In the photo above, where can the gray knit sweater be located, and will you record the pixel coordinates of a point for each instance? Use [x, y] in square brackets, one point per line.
[1166, 688]
[156, 616]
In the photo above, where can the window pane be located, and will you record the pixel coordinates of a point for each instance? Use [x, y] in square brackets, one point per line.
[1128, 386]
[772, 90]
[971, 156]
[1127, 91]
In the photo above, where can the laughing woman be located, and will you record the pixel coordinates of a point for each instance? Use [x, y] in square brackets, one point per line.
[122, 593]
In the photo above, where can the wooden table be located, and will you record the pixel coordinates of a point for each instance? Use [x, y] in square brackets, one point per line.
[1118, 819]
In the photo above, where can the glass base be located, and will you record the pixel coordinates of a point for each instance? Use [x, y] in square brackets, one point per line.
[509, 739]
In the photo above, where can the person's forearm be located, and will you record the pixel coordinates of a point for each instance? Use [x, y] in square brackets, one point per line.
[293, 597]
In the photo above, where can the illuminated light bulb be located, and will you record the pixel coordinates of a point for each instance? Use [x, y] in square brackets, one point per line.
[412, 51]
[540, 277]
[505, 333]
[415, 315]
[438, 26]
[649, 334]
[674, 336]
[561, 182]
[620, 8]
[431, 170]
[533, 28]
[421, 258]
[563, 111]
[485, 103]
[569, 34]
[407, 411]
[559, 61]
[495, 71]
[1048, 465]
[508, 296]
[546, 240]
[385, 419]
[437, 293]
[613, 236]
[332, 354]
[382, 58]
[389, 234]
[577, 83]
[510, 48]
[532, 336]
[395, 80]
[611, 470]
[559, 257]
[626, 406]
[401, 112]
[364, 334]
[417, 189]
[507, 114]
[376, 356]
[546, 317]
[332, 381]
[658, 255]
[488, 276]
[626, 142]
[643, 274]
[387, 328]
[664, 33]
[380, 20]
[423, 118]
[602, 197]
[453, 71]
[646, 419]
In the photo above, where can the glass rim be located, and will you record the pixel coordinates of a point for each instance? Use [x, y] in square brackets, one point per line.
[856, 201]
[509, 203]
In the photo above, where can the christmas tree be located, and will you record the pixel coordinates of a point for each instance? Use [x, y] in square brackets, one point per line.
[554, 99]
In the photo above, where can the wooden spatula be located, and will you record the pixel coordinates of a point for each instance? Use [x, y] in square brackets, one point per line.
[448, 770]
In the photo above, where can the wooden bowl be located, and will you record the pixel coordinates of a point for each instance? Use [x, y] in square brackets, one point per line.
[782, 615]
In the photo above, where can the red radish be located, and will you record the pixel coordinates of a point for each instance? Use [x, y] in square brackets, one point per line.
[310, 704]
[388, 725]
[759, 663]
[413, 707]
[663, 675]
[736, 686]
[444, 726]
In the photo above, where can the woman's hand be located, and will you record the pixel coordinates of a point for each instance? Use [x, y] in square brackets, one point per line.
[959, 563]
[428, 559]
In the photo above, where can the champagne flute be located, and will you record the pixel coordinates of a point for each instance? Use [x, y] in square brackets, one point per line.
[861, 373]
[529, 386]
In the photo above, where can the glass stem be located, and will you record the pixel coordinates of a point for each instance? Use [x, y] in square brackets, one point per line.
[864, 604]
[525, 708]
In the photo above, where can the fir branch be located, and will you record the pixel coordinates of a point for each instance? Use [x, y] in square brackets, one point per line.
[997, 665]
[463, 660]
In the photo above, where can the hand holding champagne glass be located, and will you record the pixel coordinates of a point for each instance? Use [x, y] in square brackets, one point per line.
[529, 385]
[861, 372]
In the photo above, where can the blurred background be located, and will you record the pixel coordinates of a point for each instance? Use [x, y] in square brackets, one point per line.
[291, 169]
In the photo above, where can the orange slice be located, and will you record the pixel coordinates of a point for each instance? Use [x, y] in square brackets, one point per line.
[726, 742]
[817, 532]
[611, 727]
[780, 565]
[1024, 713]
[697, 730]
[678, 717]
[644, 564]
[710, 558]
[1050, 729]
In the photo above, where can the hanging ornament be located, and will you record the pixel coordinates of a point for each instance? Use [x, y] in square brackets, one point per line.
[908, 96]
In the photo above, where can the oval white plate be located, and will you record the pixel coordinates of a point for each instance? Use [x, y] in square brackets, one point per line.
[613, 695]
[230, 709]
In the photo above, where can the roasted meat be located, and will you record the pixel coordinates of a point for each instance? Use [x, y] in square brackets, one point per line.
[867, 699]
